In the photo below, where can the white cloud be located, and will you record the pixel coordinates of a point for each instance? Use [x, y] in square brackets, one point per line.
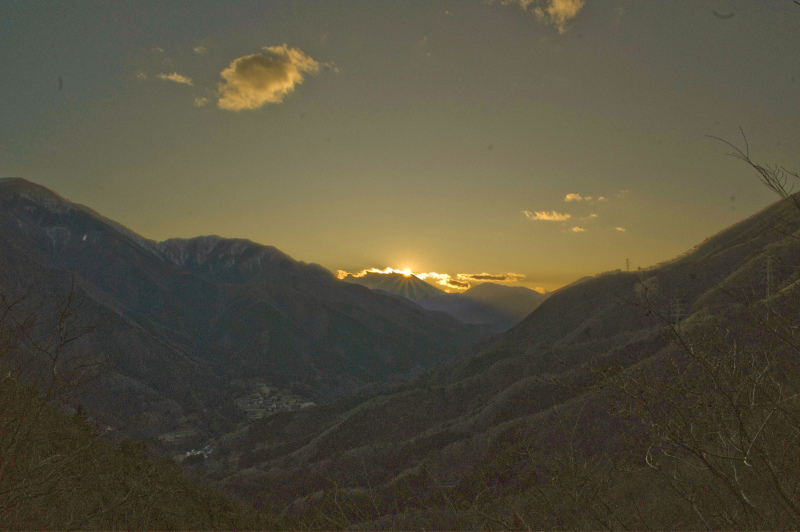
[200, 50]
[552, 216]
[496, 277]
[577, 229]
[254, 80]
[460, 282]
[177, 78]
[553, 12]
[576, 197]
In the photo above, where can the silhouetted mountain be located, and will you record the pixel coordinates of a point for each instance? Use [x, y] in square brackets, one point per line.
[409, 286]
[517, 426]
[515, 301]
[180, 323]
[497, 309]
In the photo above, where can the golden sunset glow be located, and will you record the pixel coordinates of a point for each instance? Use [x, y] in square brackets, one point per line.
[459, 282]
[532, 136]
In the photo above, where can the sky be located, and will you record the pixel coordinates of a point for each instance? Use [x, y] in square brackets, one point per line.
[531, 142]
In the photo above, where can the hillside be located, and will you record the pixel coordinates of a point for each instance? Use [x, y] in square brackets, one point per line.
[183, 331]
[57, 474]
[665, 398]
[466, 446]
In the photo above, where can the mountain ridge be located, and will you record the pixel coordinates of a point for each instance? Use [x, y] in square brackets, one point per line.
[183, 318]
[476, 423]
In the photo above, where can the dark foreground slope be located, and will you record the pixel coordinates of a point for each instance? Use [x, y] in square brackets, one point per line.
[58, 475]
[608, 407]
[179, 330]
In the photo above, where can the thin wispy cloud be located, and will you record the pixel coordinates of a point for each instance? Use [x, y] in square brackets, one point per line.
[454, 283]
[589, 218]
[621, 229]
[577, 229]
[254, 80]
[141, 76]
[200, 101]
[200, 50]
[496, 277]
[460, 282]
[177, 78]
[551, 216]
[555, 13]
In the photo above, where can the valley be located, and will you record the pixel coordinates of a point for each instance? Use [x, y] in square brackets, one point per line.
[480, 265]
[420, 422]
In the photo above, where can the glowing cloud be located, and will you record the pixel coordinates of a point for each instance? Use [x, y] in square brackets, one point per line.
[460, 282]
[177, 78]
[577, 197]
[454, 283]
[553, 12]
[497, 277]
[621, 229]
[254, 80]
[551, 216]
[577, 229]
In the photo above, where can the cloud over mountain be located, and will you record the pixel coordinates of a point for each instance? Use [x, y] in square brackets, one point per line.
[251, 81]
[496, 277]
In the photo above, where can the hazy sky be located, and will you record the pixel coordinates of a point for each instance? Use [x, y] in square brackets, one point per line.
[440, 136]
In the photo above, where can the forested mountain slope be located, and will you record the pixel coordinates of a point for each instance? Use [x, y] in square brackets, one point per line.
[583, 416]
[183, 327]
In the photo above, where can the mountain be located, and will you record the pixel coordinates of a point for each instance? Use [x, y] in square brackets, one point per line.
[496, 307]
[184, 329]
[409, 286]
[515, 301]
[584, 415]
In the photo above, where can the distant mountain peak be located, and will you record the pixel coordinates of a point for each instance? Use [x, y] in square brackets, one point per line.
[12, 189]
[408, 286]
[23, 186]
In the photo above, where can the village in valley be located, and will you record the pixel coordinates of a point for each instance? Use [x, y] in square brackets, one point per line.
[261, 400]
